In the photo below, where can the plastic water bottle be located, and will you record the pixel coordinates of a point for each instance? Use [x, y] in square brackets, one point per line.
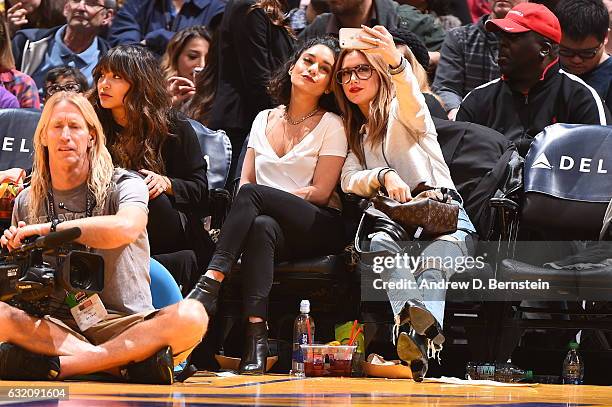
[573, 367]
[509, 373]
[300, 337]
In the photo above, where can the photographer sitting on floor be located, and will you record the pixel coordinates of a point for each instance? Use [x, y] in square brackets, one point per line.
[74, 184]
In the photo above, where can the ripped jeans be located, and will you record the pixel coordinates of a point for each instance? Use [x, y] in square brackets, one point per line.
[453, 246]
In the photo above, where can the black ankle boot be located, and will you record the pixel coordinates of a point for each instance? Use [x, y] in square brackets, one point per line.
[412, 348]
[255, 353]
[206, 291]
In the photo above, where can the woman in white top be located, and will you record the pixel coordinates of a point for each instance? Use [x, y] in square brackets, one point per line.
[286, 207]
[393, 145]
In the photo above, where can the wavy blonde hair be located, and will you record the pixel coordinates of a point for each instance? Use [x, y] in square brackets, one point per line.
[376, 122]
[420, 73]
[100, 162]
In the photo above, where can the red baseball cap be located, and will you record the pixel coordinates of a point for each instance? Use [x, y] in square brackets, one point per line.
[528, 17]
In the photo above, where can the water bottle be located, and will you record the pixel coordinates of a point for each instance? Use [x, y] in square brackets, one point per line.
[300, 337]
[573, 367]
[509, 373]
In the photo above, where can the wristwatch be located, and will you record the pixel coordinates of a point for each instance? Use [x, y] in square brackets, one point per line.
[54, 224]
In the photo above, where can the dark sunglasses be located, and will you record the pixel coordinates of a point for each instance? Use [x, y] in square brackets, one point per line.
[69, 87]
[586, 53]
[363, 72]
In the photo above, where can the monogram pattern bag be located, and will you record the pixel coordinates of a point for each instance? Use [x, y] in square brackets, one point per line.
[431, 211]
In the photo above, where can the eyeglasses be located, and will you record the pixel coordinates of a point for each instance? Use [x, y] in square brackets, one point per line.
[363, 72]
[586, 53]
[68, 87]
[88, 3]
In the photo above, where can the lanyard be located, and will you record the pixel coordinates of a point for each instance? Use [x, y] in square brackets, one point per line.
[90, 204]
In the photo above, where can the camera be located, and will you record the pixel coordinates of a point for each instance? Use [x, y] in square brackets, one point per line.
[25, 277]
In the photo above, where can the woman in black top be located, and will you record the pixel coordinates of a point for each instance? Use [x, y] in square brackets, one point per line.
[253, 40]
[144, 134]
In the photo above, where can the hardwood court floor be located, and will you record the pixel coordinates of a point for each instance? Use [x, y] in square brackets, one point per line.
[281, 390]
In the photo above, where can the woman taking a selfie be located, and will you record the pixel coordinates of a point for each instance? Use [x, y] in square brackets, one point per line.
[144, 134]
[286, 208]
[393, 145]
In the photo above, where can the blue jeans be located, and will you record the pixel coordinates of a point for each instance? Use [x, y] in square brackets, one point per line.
[452, 245]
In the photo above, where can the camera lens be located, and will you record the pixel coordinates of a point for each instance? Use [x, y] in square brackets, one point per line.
[80, 276]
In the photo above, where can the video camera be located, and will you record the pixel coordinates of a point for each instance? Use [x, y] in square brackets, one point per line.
[26, 278]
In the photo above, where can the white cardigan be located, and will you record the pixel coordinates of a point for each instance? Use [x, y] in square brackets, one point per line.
[410, 146]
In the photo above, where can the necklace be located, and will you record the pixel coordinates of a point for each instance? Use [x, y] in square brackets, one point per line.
[296, 122]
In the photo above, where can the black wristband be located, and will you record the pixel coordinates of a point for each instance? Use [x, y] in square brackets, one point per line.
[381, 175]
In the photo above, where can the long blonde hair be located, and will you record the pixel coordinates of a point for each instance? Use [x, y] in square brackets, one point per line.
[376, 123]
[100, 162]
[420, 73]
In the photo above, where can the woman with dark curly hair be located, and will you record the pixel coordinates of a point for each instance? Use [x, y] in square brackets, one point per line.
[286, 208]
[144, 134]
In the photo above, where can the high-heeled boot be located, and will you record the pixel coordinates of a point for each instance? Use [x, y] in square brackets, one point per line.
[422, 321]
[206, 291]
[412, 348]
[255, 352]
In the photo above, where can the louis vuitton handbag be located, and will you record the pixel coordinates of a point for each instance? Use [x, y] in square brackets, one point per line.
[428, 214]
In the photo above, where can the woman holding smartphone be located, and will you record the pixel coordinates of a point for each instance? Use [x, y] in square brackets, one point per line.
[185, 56]
[393, 145]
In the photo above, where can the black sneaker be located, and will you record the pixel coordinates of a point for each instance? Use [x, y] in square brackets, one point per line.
[19, 364]
[156, 369]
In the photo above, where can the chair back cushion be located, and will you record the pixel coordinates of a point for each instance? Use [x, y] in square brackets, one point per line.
[17, 127]
[217, 150]
[568, 179]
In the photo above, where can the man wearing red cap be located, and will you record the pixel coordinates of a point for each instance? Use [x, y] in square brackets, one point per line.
[533, 92]
[469, 58]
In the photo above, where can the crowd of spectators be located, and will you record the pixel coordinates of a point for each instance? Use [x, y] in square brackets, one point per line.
[304, 119]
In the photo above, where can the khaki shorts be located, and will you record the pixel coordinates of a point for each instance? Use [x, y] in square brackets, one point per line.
[110, 327]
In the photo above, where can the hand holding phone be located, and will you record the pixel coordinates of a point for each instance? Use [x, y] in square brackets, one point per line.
[351, 38]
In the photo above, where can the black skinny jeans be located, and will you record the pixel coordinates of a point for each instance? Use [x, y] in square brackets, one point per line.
[268, 225]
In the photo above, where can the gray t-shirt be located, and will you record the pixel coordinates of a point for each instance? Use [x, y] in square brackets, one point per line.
[126, 269]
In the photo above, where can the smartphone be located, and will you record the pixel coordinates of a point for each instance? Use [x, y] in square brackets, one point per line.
[349, 38]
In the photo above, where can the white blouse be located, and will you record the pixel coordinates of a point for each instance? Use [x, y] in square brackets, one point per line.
[296, 168]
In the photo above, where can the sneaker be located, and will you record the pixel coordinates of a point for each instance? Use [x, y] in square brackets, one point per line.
[156, 369]
[17, 363]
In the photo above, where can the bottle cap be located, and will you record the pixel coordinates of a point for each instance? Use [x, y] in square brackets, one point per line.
[305, 307]
[573, 345]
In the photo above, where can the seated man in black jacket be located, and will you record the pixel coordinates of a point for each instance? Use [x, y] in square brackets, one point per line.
[533, 91]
